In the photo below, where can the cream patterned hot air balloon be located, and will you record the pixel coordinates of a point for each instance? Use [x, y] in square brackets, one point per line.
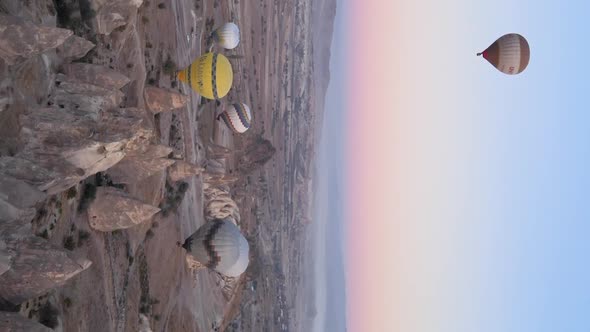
[237, 117]
[227, 36]
[510, 54]
[220, 246]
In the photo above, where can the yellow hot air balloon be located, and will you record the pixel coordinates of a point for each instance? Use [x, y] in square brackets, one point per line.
[210, 75]
[510, 54]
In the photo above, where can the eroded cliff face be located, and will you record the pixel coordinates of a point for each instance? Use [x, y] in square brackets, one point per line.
[61, 122]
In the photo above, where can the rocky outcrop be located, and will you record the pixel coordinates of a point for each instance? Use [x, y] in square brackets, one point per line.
[144, 324]
[67, 144]
[21, 39]
[96, 75]
[17, 199]
[116, 13]
[74, 48]
[141, 164]
[162, 100]
[113, 209]
[220, 205]
[182, 170]
[80, 131]
[36, 268]
[14, 322]
[255, 155]
[5, 258]
[91, 98]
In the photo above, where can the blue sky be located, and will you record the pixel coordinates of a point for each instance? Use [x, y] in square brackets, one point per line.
[489, 174]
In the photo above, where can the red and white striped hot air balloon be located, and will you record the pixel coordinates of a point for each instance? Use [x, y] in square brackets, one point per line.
[510, 54]
[237, 117]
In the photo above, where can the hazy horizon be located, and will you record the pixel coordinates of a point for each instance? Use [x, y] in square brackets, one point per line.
[328, 217]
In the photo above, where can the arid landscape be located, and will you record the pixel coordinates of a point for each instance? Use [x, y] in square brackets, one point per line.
[107, 161]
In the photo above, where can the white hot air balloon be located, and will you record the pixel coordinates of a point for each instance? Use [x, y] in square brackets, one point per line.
[220, 246]
[227, 36]
[237, 117]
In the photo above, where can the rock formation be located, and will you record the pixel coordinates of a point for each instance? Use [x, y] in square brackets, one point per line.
[140, 164]
[5, 258]
[21, 39]
[113, 209]
[14, 322]
[37, 266]
[182, 170]
[255, 155]
[162, 100]
[17, 199]
[74, 48]
[116, 13]
[220, 205]
[96, 75]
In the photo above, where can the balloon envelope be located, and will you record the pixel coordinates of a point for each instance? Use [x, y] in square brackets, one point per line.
[220, 246]
[227, 36]
[237, 117]
[210, 75]
[510, 54]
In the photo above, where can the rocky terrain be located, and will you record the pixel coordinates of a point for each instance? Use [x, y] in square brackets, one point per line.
[106, 161]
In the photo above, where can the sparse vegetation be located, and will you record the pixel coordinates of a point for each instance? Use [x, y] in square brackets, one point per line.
[72, 192]
[150, 234]
[44, 234]
[67, 302]
[174, 197]
[162, 5]
[88, 196]
[169, 67]
[69, 243]
[48, 315]
[145, 19]
[83, 236]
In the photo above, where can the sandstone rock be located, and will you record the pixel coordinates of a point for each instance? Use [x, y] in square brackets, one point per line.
[14, 322]
[116, 13]
[144, 324]
[18, 199]
[255, 155]
[220, 205]
[5, 258]
[162, 100]
[113, 209]
[92, 99]
[182, 170]
[74, 48]
[96, 75]
[38, 267]
[213, 180]
[141, 164]
[34, 79]
[21, 39]
[67, 145]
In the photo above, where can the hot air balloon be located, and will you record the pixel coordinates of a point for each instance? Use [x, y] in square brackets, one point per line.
[227, 36]
[510, 54]
[237, 117]
[220, 246]
[210, 75]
